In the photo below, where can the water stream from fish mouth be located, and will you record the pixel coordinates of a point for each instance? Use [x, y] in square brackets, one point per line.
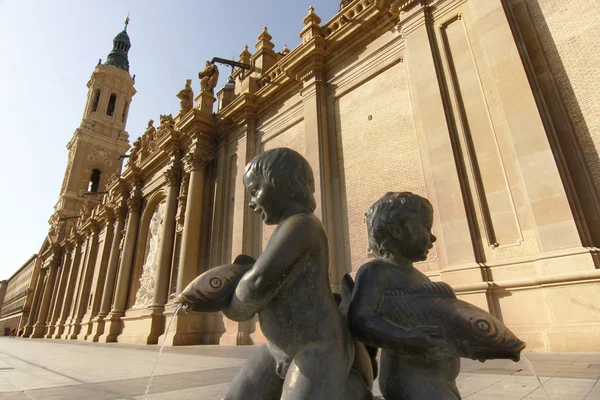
[530, 365]
[162, 346]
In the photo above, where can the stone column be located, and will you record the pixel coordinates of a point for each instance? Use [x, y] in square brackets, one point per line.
[99, 274]
[165, 252]
[109, 279]
[36, 299]
[190, 328]
[87, 273]
[244, 224]
[40, 327]
[70, 288]
[195, 163]
[60, 294]
[115, 325]
[113, 264]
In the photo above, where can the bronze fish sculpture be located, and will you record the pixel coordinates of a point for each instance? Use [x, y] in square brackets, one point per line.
[470, 331]
[212, 291]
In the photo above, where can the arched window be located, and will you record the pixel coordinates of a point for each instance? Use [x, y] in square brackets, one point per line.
[125, 109]
[94, 180]
[110, 110]
[95, 99]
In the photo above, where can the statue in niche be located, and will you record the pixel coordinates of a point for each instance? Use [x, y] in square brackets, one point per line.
[292, 274]
[187, 97]
[209, 78]
[146, 291]
[422, 328]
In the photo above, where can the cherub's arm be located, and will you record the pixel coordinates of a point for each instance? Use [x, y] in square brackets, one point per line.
[371, 328]
[290, 241]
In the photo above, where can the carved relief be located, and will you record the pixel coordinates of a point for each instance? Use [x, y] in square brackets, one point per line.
[88, 125]
[198, 160]
[134, 204]
[182, 202]
[172, 176]
[100, 154]
[146, 291]
[148, 142]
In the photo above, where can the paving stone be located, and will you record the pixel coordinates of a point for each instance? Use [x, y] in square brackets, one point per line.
[54, 370]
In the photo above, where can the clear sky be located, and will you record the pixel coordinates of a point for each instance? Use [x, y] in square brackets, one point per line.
[48, 50]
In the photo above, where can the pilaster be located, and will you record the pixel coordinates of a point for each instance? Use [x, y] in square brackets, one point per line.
[111, 275]
[60, 294]
[39, 328]
[244, 221]
[70, 287]
[115, 325]
[35, 304]
[100, 267]
[189, 328]
[87, 273]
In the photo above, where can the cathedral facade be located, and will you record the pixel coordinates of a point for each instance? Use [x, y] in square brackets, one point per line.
[484, 107]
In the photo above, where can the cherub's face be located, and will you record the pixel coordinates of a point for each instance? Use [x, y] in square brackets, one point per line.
[265, 199]
[418, 239]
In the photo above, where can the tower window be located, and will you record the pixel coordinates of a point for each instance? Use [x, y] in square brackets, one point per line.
[94, 180]
[110, 110]
[125, 109]
[95, 99]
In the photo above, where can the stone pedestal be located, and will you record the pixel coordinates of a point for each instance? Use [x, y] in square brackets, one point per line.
[113, 326]
[205, 102]
[192, 328]
[98, 325]
[142, 326]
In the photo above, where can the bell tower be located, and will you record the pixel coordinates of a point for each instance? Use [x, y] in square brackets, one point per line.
[101, 138]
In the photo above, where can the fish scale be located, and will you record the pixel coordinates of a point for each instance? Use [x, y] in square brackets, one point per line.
[409, 312]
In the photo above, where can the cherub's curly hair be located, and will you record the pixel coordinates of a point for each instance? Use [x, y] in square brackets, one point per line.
[386, 217]
[286, 170]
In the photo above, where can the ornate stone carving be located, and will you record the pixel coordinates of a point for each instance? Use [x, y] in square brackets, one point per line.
[100, 154]
[182, 202]
[187, 97]
[135, 151]
[195, 161]
[146, 291]
[209, 78]
[173, 176]
[149, 138]
[134, 204]
[167, 127]
[88, 125]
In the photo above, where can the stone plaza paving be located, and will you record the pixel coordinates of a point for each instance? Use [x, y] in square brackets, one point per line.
[53, 369]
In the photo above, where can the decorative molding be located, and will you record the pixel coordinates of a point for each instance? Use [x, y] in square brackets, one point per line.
[172, 176]
[134, 204]
[100, 154]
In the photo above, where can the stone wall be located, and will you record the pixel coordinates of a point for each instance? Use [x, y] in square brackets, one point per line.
[568, 32]
[378, 151]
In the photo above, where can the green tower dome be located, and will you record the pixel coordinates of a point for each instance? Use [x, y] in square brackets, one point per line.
[121, 46]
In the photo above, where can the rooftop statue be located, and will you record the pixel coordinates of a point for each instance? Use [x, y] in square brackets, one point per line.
[209, 78]
[186, 95]
[421, 327]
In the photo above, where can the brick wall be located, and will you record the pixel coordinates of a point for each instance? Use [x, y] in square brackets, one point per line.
[294, 139]
[379, 151]
[568, 31]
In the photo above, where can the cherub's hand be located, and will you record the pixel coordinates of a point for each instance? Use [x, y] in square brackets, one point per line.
[426, 340]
